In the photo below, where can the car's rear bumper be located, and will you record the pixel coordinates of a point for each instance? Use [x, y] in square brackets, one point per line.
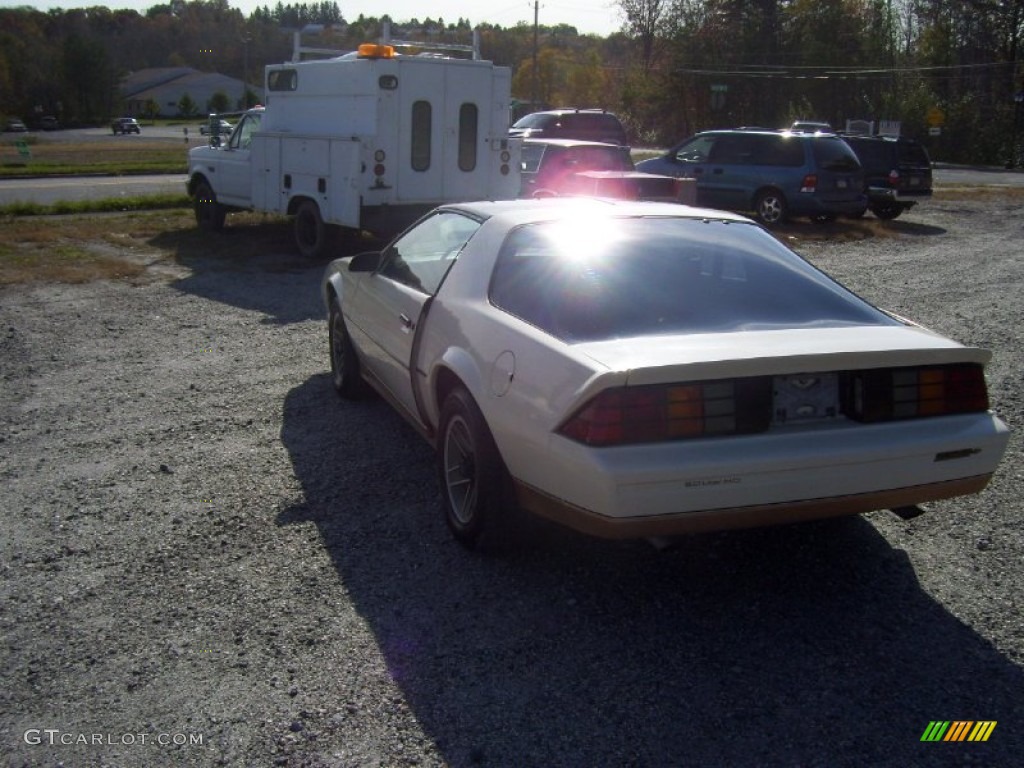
[680, 523]
[785, 474]
[887, 194]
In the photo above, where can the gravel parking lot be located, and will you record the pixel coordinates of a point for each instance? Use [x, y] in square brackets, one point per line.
[208, 559]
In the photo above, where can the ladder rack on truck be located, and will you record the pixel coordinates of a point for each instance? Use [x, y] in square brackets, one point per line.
[368, 140]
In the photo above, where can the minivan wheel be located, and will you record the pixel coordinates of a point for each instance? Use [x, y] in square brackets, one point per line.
[770, 207]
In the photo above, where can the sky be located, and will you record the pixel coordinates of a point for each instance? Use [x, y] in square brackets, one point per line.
[600, 17]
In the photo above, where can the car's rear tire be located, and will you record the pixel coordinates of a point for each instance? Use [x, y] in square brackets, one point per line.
[210, 214]
[771, 208]
[470, 470]
[886, 211]
[312, 235]
[345, 370]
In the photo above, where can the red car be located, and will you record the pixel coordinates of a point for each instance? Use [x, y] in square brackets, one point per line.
[557, 167]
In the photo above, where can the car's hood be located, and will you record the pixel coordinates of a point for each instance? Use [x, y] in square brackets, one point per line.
[662, 359]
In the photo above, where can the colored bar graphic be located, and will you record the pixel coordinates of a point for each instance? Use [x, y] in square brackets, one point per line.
[982, 730]
[935, 731]
[958, 730]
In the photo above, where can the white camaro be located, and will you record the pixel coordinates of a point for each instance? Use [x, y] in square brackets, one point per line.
[644, 369]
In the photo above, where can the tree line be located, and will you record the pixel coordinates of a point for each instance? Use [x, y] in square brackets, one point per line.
[946, 70]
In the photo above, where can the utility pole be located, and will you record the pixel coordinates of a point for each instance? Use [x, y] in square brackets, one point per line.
[536, 15]
[245, 70]
[1017, 147]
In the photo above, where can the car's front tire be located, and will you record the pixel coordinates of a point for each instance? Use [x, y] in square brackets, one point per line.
[470, 470]
[770, 208]
[345, 372]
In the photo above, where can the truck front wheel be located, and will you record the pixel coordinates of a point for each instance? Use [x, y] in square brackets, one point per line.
[311, 234]
[210, 214]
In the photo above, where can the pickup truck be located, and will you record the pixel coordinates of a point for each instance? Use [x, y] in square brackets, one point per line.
[124, 125]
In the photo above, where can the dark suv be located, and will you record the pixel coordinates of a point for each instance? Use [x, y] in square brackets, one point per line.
[775, 174]
[897, 171]
[579, 124]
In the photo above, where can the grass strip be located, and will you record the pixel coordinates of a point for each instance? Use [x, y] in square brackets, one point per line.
[105, 205]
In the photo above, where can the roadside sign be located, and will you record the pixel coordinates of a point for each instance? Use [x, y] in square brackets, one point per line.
[935, 117]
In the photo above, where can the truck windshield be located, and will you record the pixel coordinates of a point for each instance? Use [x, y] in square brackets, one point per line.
[242, 137]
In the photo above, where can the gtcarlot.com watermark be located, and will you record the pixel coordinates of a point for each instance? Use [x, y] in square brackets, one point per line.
[54, 737]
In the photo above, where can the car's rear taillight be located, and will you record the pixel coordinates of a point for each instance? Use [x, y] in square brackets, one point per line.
[651, 414]
[894, 179]
[809, 183]
[910, 393]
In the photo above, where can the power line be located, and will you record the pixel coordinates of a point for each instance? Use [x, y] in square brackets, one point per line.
[824, 73]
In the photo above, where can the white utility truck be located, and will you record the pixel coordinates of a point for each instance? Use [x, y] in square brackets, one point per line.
[368, 140]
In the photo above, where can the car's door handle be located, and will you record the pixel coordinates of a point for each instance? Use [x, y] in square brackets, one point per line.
[407, 324]
[718, 171]
[698, 171]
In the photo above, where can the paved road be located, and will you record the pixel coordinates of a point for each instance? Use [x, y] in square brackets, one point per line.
[46, 191]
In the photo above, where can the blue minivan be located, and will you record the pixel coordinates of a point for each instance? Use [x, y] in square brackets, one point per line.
[774, 174]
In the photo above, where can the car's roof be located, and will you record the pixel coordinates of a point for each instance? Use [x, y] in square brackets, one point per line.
[879, 138]
[770, 132]
[570, 143]
[574, 110]
[528, 211]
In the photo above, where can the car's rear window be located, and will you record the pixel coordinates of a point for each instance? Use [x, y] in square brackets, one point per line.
[619, 278]
[914, 154]
[873, 154]
[535, 120]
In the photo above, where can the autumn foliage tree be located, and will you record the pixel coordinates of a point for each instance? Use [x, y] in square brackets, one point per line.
[946, 70]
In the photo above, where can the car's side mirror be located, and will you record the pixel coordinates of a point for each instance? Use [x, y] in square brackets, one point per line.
[365, 262]
[214, 141]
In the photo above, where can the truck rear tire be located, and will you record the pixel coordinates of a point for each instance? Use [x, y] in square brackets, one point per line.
[210, 214]
[312, 236]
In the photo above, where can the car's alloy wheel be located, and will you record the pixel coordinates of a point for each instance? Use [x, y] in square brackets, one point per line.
[345, 373]
[470, 470]
[770, 208]
[210, 214]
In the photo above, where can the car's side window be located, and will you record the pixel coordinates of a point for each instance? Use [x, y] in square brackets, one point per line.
[423, 255]
[697, 150]
[731, 150]
[786, 151]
